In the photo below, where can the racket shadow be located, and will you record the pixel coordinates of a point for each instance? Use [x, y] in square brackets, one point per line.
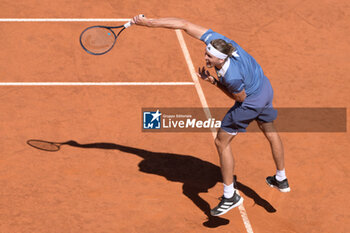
[197, 176]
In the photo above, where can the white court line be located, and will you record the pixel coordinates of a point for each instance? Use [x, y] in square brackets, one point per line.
[96, 83]
[200, 93]
[61, 20]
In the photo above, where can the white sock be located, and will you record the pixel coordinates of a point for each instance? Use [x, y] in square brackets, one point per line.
[228, 190]
[281, 175]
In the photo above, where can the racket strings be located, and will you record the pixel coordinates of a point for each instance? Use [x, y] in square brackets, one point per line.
[98, 40]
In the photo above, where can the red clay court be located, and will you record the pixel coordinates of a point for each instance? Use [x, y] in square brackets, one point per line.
[111, 176]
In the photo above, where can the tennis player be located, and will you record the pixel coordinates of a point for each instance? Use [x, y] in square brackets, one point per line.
[241, 78]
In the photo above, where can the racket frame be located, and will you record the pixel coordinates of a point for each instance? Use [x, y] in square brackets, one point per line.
[55, 144]
[108, 28]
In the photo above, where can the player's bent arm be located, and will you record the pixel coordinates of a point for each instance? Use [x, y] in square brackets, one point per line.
[240, 97]
[191, 29]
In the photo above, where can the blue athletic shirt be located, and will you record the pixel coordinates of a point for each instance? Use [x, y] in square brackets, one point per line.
[240, 71]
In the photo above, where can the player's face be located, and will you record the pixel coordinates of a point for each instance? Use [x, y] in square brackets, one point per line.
[212, 61]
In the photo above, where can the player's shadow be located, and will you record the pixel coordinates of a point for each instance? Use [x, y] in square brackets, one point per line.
[197, 175]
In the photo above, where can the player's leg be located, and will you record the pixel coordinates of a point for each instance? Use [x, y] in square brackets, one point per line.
[279, 180]
[227, 162]
[275, 141]
[230, 199]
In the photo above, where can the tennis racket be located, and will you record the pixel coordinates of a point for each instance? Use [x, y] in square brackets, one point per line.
[44, 145]
[98, 40]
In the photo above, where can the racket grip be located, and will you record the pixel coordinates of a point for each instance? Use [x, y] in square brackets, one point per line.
[128, 24]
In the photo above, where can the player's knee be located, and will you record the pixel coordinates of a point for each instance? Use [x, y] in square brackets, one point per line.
[219, 143]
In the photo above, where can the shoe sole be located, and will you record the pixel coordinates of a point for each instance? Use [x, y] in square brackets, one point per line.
[285, 190]
[235, 205]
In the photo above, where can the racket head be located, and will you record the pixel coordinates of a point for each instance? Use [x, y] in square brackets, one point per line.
[98, 40]
[44, 145]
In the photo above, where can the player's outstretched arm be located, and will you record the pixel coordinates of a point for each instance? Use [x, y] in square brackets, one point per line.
[193, 30]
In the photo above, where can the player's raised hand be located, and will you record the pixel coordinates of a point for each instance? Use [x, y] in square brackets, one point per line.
[205, 75]
[139, 20]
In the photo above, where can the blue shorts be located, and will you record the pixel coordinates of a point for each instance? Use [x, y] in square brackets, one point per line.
[254, 107]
